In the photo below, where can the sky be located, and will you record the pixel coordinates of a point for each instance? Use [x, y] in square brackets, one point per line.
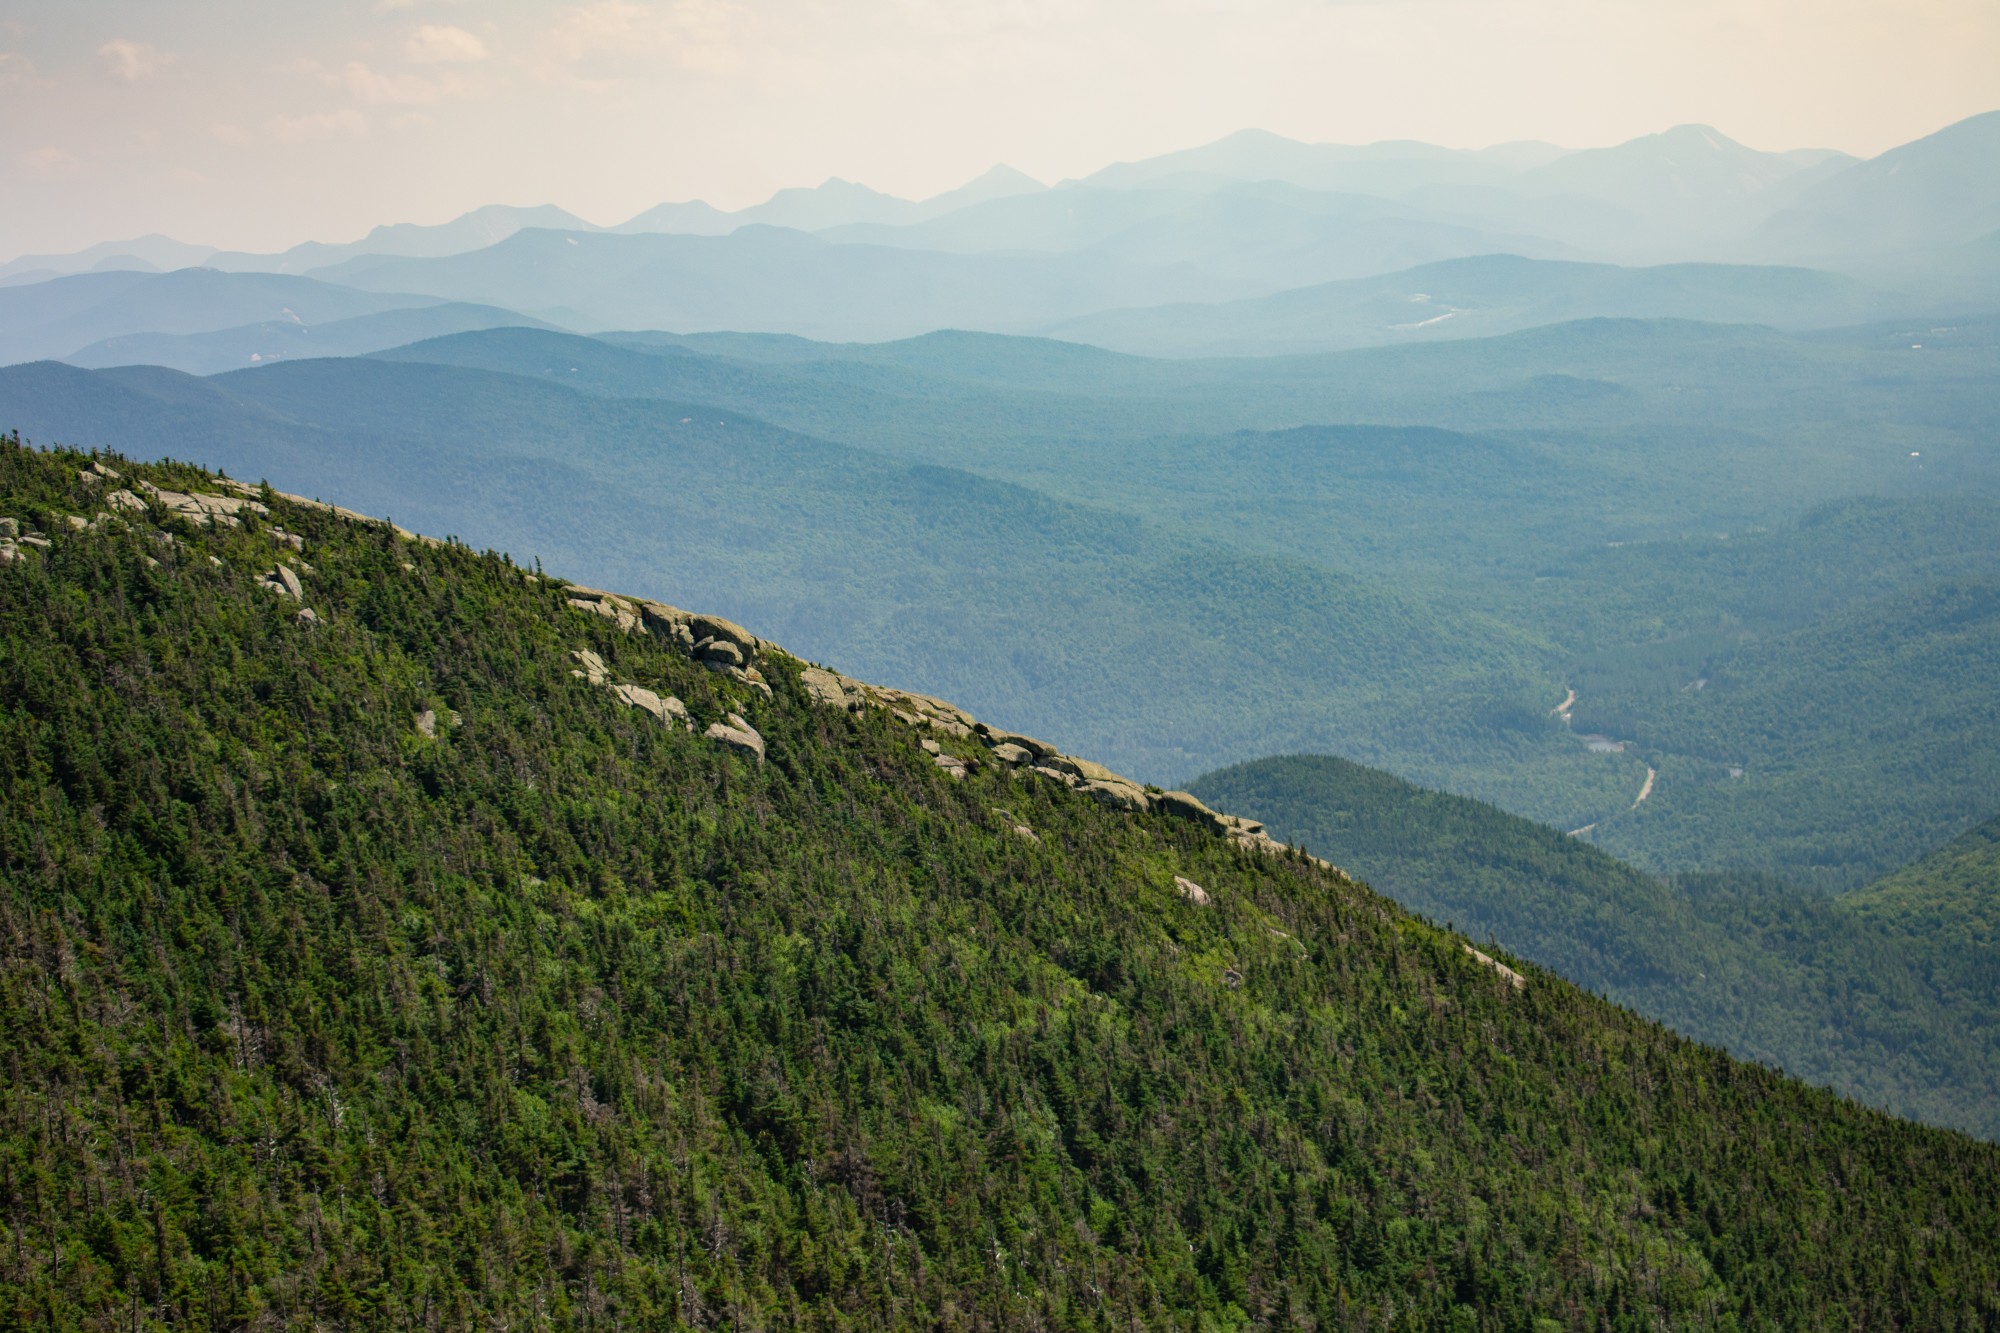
[255, 124]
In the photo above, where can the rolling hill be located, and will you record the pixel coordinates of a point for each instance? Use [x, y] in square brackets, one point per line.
[1852, 992]
[1479, 297]
[58, 317]
[211, 353]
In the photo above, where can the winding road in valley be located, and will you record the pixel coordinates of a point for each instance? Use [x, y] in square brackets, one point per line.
[1562, 710]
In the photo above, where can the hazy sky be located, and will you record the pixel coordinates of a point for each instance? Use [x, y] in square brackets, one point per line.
[257, 123]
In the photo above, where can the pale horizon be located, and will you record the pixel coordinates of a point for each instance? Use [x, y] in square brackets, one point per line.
[244, 129]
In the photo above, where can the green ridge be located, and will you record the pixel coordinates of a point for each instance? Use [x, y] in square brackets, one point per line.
[1890, 995]
[564, 1018]
[1946, 908]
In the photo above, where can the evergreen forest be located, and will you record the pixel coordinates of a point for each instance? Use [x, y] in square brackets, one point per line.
[372, 968]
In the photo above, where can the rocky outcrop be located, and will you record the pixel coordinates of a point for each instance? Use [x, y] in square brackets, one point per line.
[667, 708]
[725, 647]
[204, 509]
[738, 735]
[281, 579]
[247, 492]
[1012, 751]
[1507, 974]
[670, 711]
[720, 645]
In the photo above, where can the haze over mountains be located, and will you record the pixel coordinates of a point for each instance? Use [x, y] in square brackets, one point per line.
[1247, 246]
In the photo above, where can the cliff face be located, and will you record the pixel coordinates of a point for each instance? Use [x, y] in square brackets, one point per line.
[481, 949]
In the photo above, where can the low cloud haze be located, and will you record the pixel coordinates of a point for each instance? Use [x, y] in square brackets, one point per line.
[256, 126]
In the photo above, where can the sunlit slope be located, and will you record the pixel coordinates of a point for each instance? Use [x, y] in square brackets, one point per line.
[374, 966]
[1887, 996]
[1947, 906]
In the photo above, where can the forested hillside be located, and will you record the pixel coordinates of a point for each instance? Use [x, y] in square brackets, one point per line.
[1755, 557]
[1947, 908]
[1889, 994]
[388, 938]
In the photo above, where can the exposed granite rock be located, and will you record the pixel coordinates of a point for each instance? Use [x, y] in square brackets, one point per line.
[669, 623]
[833, 689]
[281, 579]
[612, 607]
[206, 509]
[1507, 974]
[252, 494]
[998, 736]
[738, 735]
[726, 631]
[729, 648]
[668, 709]
[1118, 795]
[720, 652]
[671, 711]
[1185, 805]
[1191, 891]
[721, 645]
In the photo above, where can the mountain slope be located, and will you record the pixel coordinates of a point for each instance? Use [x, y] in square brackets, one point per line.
[768, 279]
[55, 318]
[1829, 990]
[1479, 297]
[1389, 168]
[280, 340]
[470, 231]
[378, 968]
[1267, 235]
[144, 253]
[998, 596]
[1689, 181]
[1811, 719]
[1947, 907]
[831, 205]
[1939, 191]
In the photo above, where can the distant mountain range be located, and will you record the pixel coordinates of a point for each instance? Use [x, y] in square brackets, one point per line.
[1478, 297]
[473, 231]
[1252, 245]
[1688, 193]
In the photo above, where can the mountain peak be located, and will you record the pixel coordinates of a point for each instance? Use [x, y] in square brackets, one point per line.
[1693, 134]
